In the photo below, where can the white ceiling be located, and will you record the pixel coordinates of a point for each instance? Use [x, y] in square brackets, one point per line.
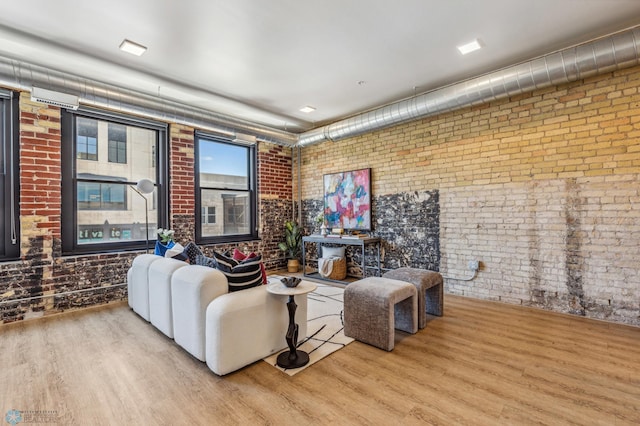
[263, 60]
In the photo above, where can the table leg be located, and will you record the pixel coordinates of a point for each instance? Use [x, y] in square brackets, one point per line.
[293, 358]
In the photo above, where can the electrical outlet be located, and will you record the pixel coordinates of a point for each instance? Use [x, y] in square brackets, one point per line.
[473, 265]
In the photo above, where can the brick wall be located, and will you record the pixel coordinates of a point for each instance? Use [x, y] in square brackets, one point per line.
[182, 182]
[275, 200]
[542, 188]
[43, 271]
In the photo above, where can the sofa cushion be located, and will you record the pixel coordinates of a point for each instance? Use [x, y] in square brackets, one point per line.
[240, 256]
[240, 274]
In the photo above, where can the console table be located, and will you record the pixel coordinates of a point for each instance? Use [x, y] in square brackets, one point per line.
[358, 242]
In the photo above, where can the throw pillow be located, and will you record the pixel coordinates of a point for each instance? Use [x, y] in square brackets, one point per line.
[240, 275]
[332, 251]
[203, 260]
[192, 250]
[174, 250]
[238, 255]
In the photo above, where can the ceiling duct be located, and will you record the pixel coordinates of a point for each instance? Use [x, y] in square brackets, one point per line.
[606, 54]
[51, 84]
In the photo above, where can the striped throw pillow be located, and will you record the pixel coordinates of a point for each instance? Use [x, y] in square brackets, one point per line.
[240, 274]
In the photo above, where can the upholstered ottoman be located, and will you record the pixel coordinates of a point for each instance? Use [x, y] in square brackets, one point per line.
[375, 306]
[430, 290]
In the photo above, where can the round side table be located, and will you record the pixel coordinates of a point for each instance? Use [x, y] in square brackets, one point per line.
[294, 358]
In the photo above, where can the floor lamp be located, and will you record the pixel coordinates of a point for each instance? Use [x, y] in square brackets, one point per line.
[145, 186]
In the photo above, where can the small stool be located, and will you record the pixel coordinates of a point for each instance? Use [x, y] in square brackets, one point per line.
[374, 306]
[430, 290]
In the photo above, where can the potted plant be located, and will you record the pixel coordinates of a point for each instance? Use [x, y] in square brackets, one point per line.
[291, 244]
[165, 241]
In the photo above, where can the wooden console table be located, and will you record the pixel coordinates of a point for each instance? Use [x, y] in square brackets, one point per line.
[359, 242]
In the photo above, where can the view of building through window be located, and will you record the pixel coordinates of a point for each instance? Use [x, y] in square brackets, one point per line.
[87, 139]
[225, 180]
[110, 157]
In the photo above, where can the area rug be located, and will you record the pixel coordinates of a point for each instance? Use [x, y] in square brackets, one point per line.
[325, 328]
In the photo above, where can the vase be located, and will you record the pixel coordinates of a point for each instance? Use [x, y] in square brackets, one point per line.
[293, 265]
[162, 248]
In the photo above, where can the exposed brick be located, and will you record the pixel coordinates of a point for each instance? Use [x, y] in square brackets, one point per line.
[516, 190]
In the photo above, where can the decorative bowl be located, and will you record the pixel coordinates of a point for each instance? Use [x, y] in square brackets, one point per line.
[291, 281]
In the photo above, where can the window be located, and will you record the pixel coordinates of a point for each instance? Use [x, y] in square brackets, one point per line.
[208, 215]
[97, 177]
[9, 187]
[87, 139]
[226, 182]
[101, 196]
[118, 143]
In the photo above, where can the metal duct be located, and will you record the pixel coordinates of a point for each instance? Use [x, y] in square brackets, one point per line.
[606, 54]
[19, 75]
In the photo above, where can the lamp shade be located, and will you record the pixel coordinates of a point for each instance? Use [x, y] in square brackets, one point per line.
[145, 186]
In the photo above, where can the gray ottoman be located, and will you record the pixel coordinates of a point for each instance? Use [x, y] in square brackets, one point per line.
[375, 306]
[430, 290]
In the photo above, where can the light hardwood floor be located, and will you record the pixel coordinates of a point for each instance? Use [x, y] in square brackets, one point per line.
[483, 363]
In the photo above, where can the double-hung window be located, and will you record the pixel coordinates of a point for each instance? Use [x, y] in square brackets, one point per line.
[104, 155]
[9, 130]
[225, 190]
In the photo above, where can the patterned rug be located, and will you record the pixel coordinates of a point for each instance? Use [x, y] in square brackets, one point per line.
[325, 333]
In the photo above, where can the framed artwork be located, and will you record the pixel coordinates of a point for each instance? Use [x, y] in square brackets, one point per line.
[347, 200]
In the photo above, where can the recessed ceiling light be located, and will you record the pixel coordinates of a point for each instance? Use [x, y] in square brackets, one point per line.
[470, 47]
[132, 47]
[307, 109]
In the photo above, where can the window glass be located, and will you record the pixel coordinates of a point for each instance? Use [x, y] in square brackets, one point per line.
[226, 195]
[87, 139]
[101, 194]
[118, 143]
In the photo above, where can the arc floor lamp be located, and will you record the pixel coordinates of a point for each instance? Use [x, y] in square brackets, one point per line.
[143, 188]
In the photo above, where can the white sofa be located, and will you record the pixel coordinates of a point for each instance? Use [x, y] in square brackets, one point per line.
[192, 305]
[139, 294]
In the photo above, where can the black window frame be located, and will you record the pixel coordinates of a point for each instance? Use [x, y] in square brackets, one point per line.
[70, 230]
[251, 190]
[10, 176]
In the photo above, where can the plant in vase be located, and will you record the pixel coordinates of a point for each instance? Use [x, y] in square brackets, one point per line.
[165, 241]
[320, 222]
[291, 245]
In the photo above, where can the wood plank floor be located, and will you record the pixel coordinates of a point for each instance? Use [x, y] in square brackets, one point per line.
[483, 363]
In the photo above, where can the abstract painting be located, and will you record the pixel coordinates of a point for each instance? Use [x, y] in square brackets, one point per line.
[347, 200]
